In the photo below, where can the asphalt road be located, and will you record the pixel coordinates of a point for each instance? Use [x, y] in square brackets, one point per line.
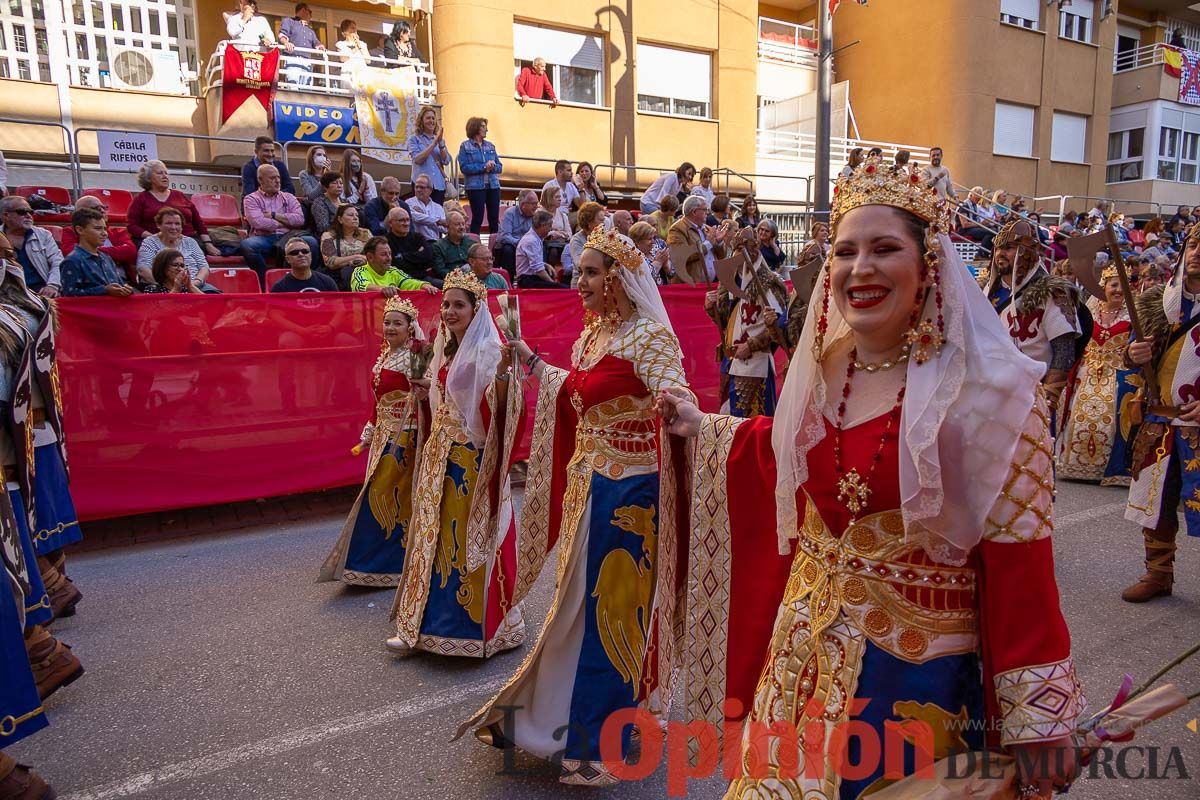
[217, 669]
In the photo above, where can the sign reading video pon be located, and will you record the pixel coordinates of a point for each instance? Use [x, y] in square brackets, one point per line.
[302, 122]
[125, 152]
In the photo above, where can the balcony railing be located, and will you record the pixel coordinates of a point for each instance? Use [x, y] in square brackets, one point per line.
[329, 72]
[786, 42]
[803, 147]
[1146, 56]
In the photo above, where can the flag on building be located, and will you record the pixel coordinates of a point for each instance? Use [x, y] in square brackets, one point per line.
[386, 101]
[248, 74]
[833, 5]
[1172, 61]
[1189, 78]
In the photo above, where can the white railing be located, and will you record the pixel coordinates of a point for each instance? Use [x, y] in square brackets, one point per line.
[787, 42]
[329, 72]
[803, 147]
[1146, 56]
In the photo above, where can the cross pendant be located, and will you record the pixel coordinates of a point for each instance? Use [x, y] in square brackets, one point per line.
[853, 492]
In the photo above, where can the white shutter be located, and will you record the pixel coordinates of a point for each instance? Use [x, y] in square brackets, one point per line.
[1127, 120]
[681, 74]
[564, 48]
[1013, 135]
[1025, 9]
[1068, 138]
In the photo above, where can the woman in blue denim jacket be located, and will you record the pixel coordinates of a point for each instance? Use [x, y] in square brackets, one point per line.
[480, 163]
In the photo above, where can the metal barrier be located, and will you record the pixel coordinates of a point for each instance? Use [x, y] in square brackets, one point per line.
[1090, 201]
[1146, 56]
[69, 149]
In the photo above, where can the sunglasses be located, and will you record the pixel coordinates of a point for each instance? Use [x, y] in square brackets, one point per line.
[299, 252]
[24, 212]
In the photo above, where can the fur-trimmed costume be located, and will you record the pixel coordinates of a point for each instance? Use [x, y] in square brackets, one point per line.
[1041, 309]
[748, 385]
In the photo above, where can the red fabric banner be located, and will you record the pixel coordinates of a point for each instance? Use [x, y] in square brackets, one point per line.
[189, 400]
[248, 73]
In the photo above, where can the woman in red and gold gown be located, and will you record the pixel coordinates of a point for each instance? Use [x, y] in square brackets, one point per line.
[910, 458]
[603, 483]
[370, 550]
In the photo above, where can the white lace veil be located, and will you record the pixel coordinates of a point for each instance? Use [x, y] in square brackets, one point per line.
[962, 418]
[472, 370]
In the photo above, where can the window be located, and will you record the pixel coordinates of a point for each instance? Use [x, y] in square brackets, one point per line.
[1168, 153]
[1179, 146]
[1068, 138]
[1013, 135]
[1125, 153]
[1024, 13]
[1075, 20]
[676, 82]
[574, 61]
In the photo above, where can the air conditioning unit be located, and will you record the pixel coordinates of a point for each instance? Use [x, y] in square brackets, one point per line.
[146, 71]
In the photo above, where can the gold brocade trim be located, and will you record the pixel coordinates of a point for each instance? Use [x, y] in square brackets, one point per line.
[709, 572]
[1039, 703]
[505, 639]
[1024, 511]
[617, 435]
[9, 723]
[353, 578]
[534, 535]
[1088, 432]
[654, 352]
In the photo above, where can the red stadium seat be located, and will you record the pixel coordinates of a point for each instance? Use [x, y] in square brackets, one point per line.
[274, 275]
[56, 231]
[225, 261]
[218, 209]
[55, 194]
[503, 272]
[117, 200]
[235, 281]
[473, 237]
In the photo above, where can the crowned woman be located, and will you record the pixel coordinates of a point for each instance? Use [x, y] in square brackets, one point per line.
[1094, 444]
[910, 462]
[456, 596]
[603, 482]
[370, 551]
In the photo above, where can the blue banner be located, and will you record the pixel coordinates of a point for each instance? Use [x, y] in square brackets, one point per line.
[302, 122]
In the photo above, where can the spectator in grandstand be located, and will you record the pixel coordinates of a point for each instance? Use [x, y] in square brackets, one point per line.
[645, 238]
[534, 84]
[355, 52]
[411, 252]
[427, 147]
[324, 206]
[1103, 208]
[170, 237]
[316, 165]
[817, 247]
[342, 245]
[568, 196]
[900, 160]
[1058, 245]
[264, 155]
[1155, 225]
[118, 244]
[271, 214]
[591, 216]
[168, 274]
[247, 27]
[718, 210]
[400, 46]
[428, 217]
[704, 187]
[750, 216]
[587, 185]
[1184, 214]
[36, 250]
[296, 32]
[1176, 231]
[664, 218]
[301, 278]
[1042, 231]
[622, 220]
[379, 275]
[481, 166]
[450, 252]
[156, 192]
[532, 272]
[560, 227]
[768, 245]
[977, 219]
[88, 272]
[376, 210]
[667, 185]
[358, 186]
[937, 176]
[516, 223]
[853, 159]
[480, 263]
[1153, 250]
[691, 230]
[875, 152]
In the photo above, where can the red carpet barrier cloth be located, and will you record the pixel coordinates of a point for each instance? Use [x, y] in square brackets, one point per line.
[197, 400]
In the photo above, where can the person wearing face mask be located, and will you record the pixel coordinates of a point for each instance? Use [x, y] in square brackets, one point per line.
[316, 164]
[911, 441]
[358, 186]
[747, 386]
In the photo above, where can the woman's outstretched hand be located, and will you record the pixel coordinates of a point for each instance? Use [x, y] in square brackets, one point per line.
[679, 412]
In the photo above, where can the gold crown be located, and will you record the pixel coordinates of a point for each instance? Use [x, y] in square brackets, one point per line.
[468, 282]
[875, 183]
[1108, 273]
[617, 246]
[401, 304]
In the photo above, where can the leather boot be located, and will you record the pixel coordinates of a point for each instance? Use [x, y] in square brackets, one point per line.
[64, 596]
[54, 665]
[19, 782]
[1160, 568]
[58, 559]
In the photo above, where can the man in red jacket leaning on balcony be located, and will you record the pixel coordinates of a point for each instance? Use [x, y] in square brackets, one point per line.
[535, 83]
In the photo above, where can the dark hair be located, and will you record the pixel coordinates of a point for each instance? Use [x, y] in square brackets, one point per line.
[259, 141]
[336, 224]
[253, 4]
[583, 164]
[562, 162]
[86, 216]
[542, 217]
[348, 174]
[401, 27]
[373, 244]
[473, 126]
[749, 199]
[914, 227]
[683, 168]
[328, 178]
[299, 7]
[875, 151]
[720, 203]
[158, 268]
[345, 26]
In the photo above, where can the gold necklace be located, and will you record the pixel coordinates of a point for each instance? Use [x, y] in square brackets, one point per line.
[884, 366]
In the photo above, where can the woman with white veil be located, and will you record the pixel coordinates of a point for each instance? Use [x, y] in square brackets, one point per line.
[603, 483]
[910, 462]
[456, 595]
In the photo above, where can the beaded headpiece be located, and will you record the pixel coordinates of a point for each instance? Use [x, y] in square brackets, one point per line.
[617, 247]
[1108, 273]
[468, 282]
[401, 304]
[903, 188]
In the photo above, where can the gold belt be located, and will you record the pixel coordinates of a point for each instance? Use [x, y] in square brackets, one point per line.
[617, 435]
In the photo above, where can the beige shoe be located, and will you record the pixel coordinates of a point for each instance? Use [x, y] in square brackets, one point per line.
[398, 647]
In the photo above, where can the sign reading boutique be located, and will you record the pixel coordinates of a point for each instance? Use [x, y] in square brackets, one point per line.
[301, 122]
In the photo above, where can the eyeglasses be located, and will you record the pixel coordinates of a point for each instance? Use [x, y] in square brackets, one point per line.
[24, 212]
[299, 252]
